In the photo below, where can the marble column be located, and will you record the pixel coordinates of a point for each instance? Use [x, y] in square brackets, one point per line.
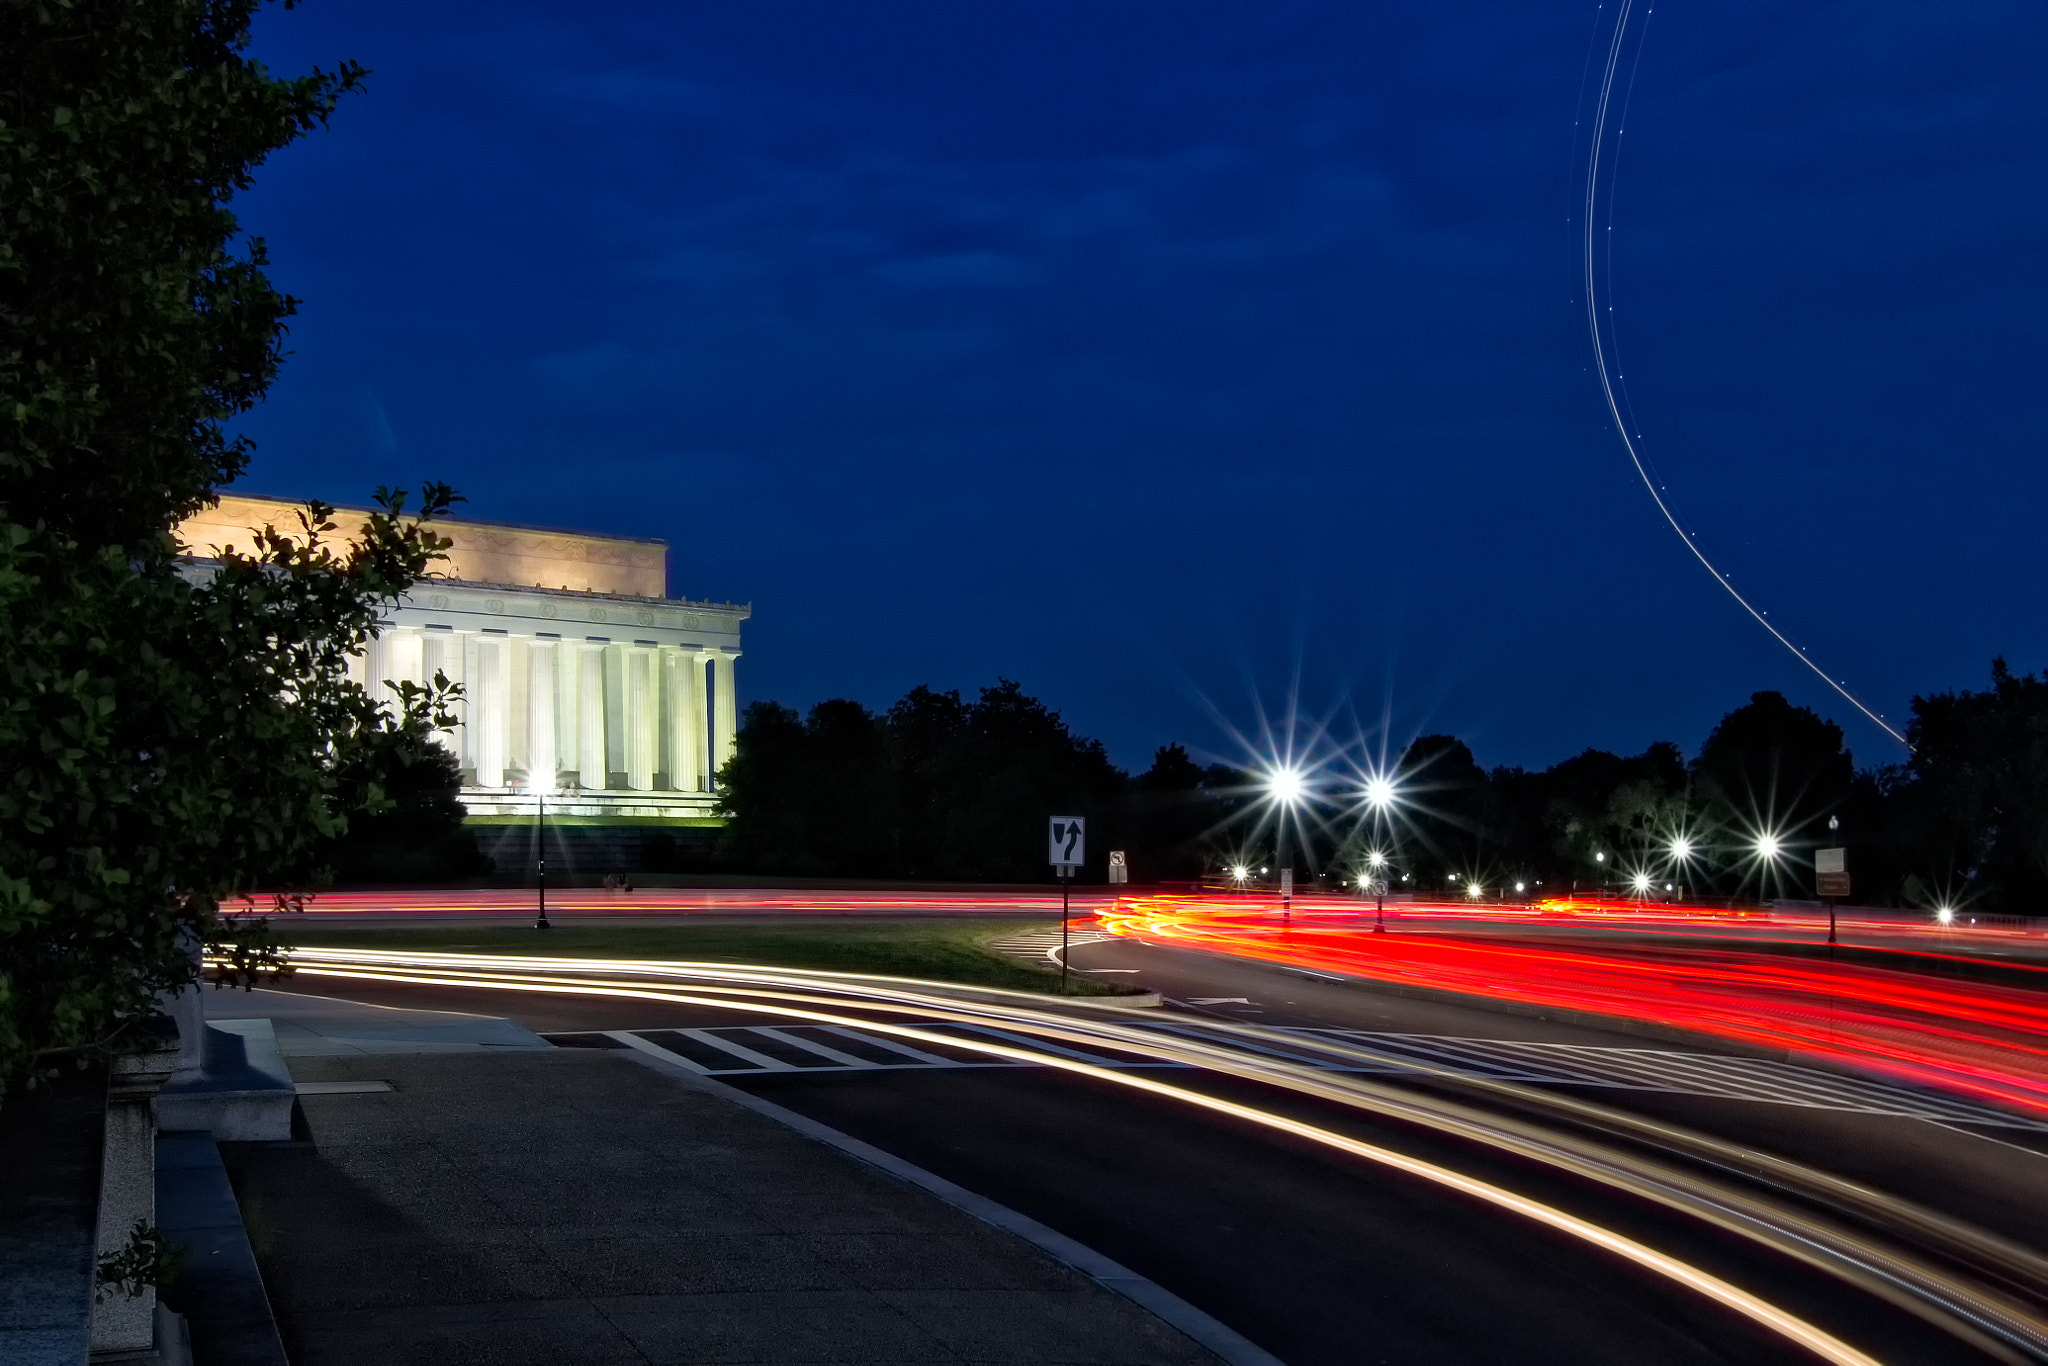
[568, 677]
[642, 718]
[441, 652]
[490, 709]
[685, 720]
[403, 652]
[590, 715]
[725, 721]
[541, 758]
[707, 722]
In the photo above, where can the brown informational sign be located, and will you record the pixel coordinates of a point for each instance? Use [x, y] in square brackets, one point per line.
[1831, 872]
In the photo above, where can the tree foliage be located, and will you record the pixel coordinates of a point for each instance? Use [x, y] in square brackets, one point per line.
[170, 735]
[940, 787]
[1972, 806]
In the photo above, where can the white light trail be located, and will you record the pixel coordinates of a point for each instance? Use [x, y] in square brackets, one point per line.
[1983, 1318]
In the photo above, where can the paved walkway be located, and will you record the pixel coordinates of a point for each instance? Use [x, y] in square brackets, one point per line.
[513, 1205]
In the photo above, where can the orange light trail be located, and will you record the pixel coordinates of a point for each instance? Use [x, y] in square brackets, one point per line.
[1986, 1041]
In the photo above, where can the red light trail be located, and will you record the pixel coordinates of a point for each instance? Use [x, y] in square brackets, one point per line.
[1987, 1041]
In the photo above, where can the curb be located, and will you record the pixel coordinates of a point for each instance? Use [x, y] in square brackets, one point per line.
[1226, 1343]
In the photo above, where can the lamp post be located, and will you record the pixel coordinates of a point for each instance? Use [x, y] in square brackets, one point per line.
[540, 919]
[1834, 828]
[1768, 847]
[1379, 890]
[1380, 795]
[1285, 786]
[1681, 860]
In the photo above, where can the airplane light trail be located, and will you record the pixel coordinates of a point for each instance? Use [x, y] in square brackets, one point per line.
[1603, 106]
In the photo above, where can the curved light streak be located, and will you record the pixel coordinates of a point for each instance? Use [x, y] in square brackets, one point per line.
[1984, 1041]
[1987, 1320]
[1601, 108]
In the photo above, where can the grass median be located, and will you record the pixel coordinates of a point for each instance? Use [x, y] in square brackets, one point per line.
[937, 950]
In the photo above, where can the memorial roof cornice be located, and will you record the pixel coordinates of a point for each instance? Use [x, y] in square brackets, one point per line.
[706, 605]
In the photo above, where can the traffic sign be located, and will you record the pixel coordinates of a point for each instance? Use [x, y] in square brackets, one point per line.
[1119, 870]
[1069, 844]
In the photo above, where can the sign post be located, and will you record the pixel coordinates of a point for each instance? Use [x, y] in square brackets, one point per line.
[1068, 850]
[1831, 878]
[1287, 895]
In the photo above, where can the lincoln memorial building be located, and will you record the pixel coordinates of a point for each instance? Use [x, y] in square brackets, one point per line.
[583, 681]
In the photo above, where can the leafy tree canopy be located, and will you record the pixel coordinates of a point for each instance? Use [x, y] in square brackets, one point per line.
[170, 734]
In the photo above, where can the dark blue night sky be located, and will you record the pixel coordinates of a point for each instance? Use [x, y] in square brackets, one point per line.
[1171, 358]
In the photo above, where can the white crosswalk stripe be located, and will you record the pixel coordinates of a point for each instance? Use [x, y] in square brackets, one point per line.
[1038, 946]
[755, 1050]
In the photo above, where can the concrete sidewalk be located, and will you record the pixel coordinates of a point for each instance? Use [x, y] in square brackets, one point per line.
[512, 1205]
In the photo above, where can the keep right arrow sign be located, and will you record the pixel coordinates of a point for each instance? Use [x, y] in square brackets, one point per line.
[1069, 845]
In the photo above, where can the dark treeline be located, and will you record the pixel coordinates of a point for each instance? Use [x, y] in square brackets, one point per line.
[941, 787]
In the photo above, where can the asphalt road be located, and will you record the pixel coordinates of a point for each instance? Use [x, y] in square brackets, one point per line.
[1996, 1178]
[1321, 1260]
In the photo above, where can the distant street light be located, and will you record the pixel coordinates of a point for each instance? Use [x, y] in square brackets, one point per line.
[1288, 788]
[1377, 861]
[1681, 858]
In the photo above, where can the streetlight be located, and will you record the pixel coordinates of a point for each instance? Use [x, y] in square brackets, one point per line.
[1380, 794]
[1681, 857]
[1834, 826]
[1378, 863]
[540, 918]
[1287, 787]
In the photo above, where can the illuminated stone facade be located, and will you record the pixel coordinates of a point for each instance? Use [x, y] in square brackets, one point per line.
[583, 680]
